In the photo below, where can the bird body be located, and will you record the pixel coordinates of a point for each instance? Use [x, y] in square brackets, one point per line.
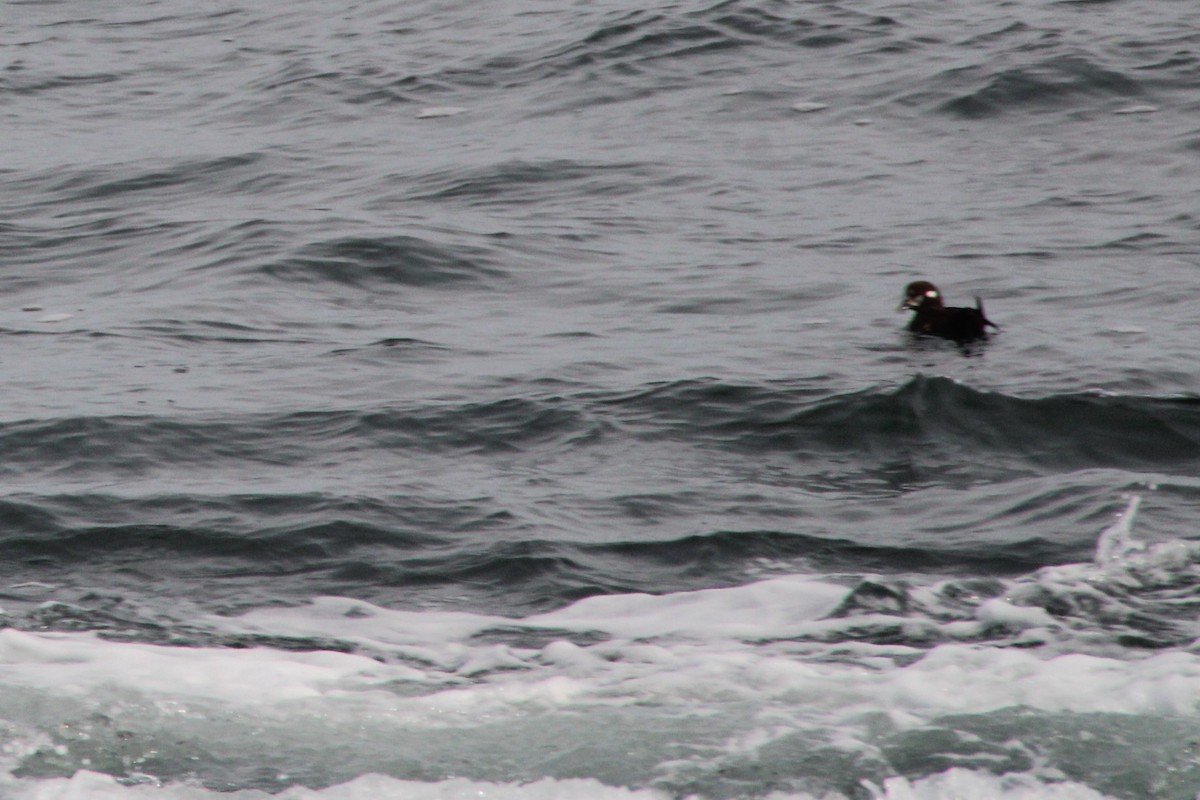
[933, 318]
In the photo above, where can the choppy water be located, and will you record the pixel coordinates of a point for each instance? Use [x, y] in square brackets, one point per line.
[431, 400]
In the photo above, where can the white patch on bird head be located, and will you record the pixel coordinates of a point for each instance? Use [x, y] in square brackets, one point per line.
[931, 293]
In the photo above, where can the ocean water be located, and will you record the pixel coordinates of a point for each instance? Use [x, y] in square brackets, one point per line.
[444, 400]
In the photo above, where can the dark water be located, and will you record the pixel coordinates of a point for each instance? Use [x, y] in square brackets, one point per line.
[423, 400]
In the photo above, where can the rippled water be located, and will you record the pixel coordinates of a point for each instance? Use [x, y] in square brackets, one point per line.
[419, 401]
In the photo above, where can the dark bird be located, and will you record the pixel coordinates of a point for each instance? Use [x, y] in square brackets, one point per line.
[934, 319]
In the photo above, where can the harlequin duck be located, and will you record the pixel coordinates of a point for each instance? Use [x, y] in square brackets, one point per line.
[934, 319]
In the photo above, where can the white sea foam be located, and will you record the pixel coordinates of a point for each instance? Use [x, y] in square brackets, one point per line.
[433, 112]
[459, 688]
[767, 609]
[1116, 542]
[454, 681]
[78, 664]
[961, 784]
[86, 785]
[954, 784]
[1141, 108]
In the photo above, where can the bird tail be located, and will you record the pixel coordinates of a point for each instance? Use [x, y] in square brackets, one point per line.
[983, 316]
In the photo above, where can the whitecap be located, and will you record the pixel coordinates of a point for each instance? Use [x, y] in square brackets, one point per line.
[432, 112]
[1116, 542]
[964, 784]
[1137, 109]
[366, 787]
